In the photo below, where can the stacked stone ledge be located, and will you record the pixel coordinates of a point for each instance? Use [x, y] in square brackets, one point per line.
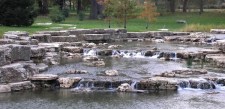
[22, 56]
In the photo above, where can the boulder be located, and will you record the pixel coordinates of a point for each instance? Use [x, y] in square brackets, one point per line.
[96, 37]
[95, 63]
[2, 57]
[74, 71]
[7, 41]
[42, 67]
[44, 77]
[55, 33]
[90, 58]
[46, 38]
[158, 83]
[18, 33]
[21, 86]
[68, 82]
[17, 72]
[114, 46]
[72, 49]
[38, 52]
[89, 45]
[20, 52]
[70, 38]
[218, 31]
[5, 88]
[125, 87]
[111, 73]
[105, 52]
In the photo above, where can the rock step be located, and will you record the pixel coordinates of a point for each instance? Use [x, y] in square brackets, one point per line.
[44, 77]
[70, 38]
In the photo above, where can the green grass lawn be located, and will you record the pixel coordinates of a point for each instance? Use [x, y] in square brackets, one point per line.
[195, 22]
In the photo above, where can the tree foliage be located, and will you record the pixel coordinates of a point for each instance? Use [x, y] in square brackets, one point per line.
[17, 12]
[121, 10]
[149, 12]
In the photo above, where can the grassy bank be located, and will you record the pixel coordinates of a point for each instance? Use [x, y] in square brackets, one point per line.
[195, 22]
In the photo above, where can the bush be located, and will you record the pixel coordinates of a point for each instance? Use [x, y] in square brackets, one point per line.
[81, 15]
[17, 12]
[56, 15]
[66, 12]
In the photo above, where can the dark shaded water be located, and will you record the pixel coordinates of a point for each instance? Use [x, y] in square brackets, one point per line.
[65, 99]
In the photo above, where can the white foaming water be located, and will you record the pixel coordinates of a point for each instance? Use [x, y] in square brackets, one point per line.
[129, 54]
[90, 52]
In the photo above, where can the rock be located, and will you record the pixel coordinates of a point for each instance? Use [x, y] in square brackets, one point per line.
[7, 41]
[201, 84]
[70, 38]
[106, 52]
[73, 49]
[218, 31]
[68, 82]
[20, 53]
[18, 33]
[42, 67]
[158, 41]
[74, 71]
[34, 42]
[183, 73]
[46, 38]
[111, 73]
[95, 63]
[17, 72]
[90, 58]
[2, 57]
[181, 21]
[51, 47]
[114, 46]
[38, 52]
[21, 86]
[125, 87]
[89, 45]
[96, 37]
[139, 35]
[55, 33]
[44, 77]
[149, 53]
[158, 83]
[5, 88]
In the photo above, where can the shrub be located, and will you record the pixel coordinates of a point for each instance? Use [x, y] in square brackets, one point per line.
[17, 12]
[81, 15]
[66, 12]
[56, 15]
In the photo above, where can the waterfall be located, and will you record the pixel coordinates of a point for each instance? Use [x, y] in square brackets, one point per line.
[111, 86]
[134, 85]
[90, 52]
[129, 53]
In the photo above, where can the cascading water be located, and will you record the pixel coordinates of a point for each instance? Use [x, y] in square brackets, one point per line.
[134, 85]
[90, 52]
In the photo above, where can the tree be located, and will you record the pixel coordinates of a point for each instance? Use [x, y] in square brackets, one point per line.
[17, 12]
[149, 13]
[172, 5]
[43, 7]
[185, 3]
[108, 10]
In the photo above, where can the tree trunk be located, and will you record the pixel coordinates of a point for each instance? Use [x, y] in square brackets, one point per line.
[185, 2]
[172, 6]
[79, 6]
[70, 4]
[201, 6]
[94, 10]
[43, 7]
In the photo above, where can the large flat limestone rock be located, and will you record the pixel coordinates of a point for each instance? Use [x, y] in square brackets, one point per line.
[44, 77]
